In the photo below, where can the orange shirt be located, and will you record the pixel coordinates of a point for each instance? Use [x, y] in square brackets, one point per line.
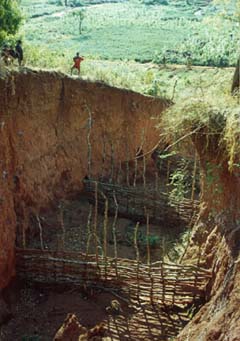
[77, 62]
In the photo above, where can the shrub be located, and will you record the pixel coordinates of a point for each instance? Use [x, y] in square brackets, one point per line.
[10, 18]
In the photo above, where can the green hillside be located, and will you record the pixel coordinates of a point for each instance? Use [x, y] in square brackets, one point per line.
[133, 30]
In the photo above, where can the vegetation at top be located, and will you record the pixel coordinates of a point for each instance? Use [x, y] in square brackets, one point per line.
[139, 30]
[114, 36]
[10, 18]
[155, 31]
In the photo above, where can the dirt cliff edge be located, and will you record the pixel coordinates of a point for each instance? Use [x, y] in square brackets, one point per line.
[217, 237]
[46, 120]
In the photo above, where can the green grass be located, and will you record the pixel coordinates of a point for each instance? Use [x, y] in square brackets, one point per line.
[172, 81]
[133, 31]
[116, 34]
[35, 8]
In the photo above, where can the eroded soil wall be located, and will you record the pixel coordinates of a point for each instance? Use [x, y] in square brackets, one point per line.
[216, 238]
[44, 127]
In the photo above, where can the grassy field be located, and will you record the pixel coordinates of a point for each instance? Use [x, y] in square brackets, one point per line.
[130, 30]
[117, 36]
[124, 44]
[174, 82]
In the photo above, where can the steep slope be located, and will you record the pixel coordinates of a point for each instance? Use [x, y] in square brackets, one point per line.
[217, 238]
[45, 121]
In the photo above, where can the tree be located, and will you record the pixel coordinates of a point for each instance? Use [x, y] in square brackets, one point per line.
[80, 15]
[10, 18]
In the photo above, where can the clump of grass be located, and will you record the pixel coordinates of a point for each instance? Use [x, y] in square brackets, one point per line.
[214, 111]
[232, 138]
[3, 69]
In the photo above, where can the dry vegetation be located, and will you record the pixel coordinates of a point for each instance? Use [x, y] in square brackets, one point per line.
[211, 108]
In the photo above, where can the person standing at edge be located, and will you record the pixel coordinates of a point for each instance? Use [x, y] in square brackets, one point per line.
[77, 61]
[19, 52]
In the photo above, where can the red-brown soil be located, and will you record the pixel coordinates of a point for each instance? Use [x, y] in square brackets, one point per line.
[65, 228]
[40, 312]
[44, 120]
[43, 157]
[72, 330]
[217, 237]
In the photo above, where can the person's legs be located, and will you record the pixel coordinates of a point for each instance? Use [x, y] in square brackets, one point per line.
[74, 67]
